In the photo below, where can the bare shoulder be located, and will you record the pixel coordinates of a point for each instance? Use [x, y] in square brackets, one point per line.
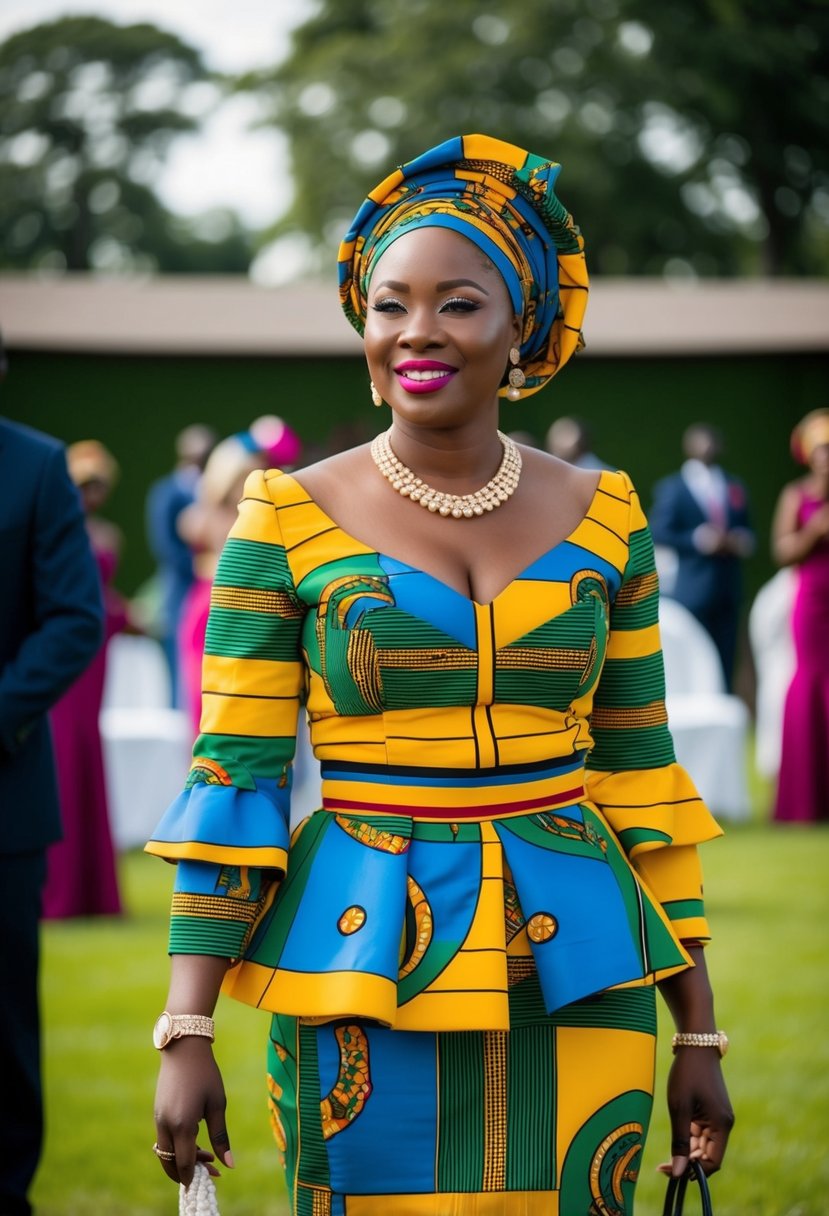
[326, 475]
[548, 476]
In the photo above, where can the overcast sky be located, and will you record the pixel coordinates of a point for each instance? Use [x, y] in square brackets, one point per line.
[227, 165]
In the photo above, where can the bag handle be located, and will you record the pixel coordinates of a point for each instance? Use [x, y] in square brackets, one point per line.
[675, 1198]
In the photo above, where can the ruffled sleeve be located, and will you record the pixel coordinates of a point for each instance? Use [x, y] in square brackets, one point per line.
[229, 830]
[632, 776]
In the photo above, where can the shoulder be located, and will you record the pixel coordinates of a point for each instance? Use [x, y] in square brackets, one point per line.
[25, 440]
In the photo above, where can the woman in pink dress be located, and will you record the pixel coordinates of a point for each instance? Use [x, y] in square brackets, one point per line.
[81, 868]
[801, 539]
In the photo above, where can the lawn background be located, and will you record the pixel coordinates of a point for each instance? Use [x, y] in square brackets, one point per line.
[104, 982]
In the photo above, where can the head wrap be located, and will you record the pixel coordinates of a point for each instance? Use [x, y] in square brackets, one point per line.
[502, 198]
[88, 460]
[810, 433]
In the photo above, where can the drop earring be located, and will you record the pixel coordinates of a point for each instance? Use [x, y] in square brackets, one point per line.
[517, 379]
[375, 396]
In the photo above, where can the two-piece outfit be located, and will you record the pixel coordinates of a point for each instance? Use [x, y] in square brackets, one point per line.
[461, 955]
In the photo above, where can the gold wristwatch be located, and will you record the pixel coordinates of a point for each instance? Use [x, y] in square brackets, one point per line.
[714, 1038]
[171, 1026]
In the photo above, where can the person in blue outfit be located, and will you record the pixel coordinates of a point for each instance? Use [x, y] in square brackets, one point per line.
[701, 513]
[166, 500]
[51, 619]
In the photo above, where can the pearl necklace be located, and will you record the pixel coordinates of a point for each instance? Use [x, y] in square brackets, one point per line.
[461, 506]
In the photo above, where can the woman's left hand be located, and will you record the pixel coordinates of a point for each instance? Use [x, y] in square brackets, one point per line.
[700, 1110]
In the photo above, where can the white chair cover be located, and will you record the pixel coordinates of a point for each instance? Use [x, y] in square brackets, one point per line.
[770, 636]
[709, 725]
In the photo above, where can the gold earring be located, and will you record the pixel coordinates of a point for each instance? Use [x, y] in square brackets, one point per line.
[517, 379]
[375, 396]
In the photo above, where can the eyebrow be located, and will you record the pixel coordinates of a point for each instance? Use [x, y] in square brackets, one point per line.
[448, 285]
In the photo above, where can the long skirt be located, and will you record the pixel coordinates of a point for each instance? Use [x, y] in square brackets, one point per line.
[549, 1117]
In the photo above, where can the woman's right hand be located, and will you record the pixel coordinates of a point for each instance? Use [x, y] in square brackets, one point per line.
[190, 1089]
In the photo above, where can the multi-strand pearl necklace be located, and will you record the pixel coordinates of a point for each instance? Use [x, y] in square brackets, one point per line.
[460, 506]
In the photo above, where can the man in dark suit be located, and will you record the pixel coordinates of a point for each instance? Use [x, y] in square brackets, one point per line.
[701, 513]
[50, 628]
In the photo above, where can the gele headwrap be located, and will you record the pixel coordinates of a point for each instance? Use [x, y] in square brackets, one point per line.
[810, 433]
[502, 198]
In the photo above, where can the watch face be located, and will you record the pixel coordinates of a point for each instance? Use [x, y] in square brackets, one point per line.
[162, 1031]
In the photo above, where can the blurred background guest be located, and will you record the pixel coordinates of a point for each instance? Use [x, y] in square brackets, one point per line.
[701, 513]
[81, 878]
[570, 439]
[800, 538]
[166, 500]
[204, 526]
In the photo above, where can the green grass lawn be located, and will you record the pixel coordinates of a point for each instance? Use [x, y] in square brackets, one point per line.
[104, 982]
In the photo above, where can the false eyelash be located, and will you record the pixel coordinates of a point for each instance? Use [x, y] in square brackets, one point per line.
[387, 304]
[465, 304]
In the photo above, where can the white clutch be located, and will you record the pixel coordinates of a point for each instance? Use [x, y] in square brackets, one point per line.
[199, 1198]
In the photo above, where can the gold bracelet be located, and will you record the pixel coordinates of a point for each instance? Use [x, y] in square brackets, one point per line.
[714, 1038]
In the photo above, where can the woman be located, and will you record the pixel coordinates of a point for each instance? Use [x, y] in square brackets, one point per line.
[461, 959]
[82, 878]
[800, 537]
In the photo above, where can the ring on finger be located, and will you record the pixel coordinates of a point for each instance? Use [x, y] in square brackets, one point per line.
[163, 1154]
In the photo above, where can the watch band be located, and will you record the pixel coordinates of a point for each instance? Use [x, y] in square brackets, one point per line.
[171, 1026]
[714, 1038]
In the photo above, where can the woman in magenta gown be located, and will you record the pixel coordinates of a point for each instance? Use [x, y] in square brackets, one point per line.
[801, 539]
[81, 868]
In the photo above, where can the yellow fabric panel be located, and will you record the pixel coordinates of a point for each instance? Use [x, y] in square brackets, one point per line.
[633, 643]
[443, 1011]
[525, 605]
[268, 858]
[247, 715]
[505, 1203]
[378, 194]
[250, 677]
[593, 1067]
[664, 799]
[595, 538]
[256, 518]
[672, 873]
[692, 928]
[484, 147]
[307, 994]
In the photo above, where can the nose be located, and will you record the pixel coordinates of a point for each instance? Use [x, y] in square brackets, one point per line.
[421, 330]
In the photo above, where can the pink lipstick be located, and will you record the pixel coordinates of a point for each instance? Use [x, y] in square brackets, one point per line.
[424, 375]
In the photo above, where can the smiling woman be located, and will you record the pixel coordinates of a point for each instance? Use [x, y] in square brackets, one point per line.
[459, 948]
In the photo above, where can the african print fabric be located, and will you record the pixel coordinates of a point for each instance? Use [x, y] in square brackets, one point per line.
[547, 1118]
[504, 835]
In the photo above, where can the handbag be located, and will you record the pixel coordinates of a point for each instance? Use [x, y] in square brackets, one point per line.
[199, 1198]
[675, 1197]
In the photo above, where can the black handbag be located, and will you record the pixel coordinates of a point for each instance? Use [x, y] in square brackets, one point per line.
[675, 1198]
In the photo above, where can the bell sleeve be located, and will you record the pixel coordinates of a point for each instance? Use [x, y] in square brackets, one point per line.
[228, 831]
[648, 799]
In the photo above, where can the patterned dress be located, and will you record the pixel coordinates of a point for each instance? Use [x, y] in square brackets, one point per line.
[459, 948]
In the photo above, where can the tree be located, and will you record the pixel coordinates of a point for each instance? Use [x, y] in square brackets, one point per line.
[87, 113]
[693, 137]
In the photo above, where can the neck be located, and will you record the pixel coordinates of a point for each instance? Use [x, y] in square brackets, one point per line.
[457, 456]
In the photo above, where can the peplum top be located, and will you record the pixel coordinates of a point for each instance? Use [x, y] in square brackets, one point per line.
[500, 796]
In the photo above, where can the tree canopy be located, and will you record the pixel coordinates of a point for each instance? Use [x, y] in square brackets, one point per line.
[87, 112]
[693, 137]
